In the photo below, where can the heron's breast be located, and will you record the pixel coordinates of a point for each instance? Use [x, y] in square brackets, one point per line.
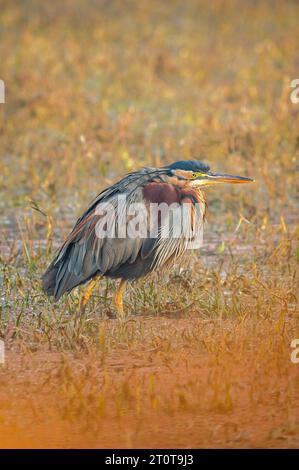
[156, 193]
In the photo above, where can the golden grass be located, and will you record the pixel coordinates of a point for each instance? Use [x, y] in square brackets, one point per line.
[95, 89]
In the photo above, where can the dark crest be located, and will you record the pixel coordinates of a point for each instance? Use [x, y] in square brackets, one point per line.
[188, 165]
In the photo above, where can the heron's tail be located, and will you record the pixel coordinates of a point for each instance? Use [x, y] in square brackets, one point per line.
[49, 280]
[66, 272]
[58, 279]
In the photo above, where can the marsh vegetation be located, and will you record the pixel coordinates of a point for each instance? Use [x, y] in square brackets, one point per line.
[96, 89]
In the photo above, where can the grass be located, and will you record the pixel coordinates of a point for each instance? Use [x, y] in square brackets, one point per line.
[93, 90]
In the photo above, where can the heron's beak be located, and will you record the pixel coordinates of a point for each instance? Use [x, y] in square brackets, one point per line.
[215, 178]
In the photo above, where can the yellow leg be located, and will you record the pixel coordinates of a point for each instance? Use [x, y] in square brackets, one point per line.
[86, 295]
[119, 298]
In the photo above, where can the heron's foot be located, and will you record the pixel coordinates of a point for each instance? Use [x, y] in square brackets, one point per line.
[86, 295]
[119, 299]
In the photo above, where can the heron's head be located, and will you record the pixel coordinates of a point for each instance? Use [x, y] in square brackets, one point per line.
[198, 174]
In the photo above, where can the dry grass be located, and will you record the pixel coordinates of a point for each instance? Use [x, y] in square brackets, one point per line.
[94, 89]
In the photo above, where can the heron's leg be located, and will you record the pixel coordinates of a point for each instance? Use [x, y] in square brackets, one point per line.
[119, 297]
[87, 294]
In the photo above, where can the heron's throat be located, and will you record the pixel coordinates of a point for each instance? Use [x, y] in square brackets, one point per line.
[190, 193]
[173, 190]
[201, 199]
